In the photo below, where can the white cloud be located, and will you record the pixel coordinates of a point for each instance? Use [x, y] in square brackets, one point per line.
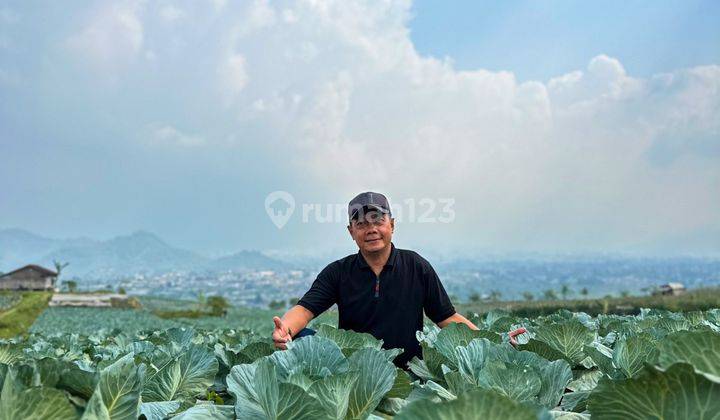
[566, 159]
[218, 5]
[170, 13]
[112, 36]
[233, 76]
[170, 136]
[336, 90]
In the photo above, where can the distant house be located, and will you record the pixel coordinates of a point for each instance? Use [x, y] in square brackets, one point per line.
[672, 289]
[30, 277]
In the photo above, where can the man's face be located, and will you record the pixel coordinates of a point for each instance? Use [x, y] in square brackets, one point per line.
[372, 231]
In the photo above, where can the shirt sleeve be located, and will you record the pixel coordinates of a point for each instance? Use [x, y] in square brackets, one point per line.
[437, 304]
[323, 292]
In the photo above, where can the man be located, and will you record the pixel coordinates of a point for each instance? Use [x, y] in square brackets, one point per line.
[381, 290]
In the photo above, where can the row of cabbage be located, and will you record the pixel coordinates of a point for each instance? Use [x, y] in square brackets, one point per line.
[7, 301]
[658, 364]
[568, 365]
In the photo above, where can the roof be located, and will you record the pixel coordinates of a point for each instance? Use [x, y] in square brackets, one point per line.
[42, 270]
[674, 285]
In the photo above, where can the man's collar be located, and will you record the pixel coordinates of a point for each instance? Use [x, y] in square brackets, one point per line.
[392, 259]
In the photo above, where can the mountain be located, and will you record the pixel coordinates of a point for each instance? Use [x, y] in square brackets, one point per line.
[247, 260]
[124, 255]
[139, 252]
[19, 247]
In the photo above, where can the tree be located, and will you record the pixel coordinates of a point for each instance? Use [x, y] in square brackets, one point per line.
[59, 268]
[624, 293]
[495, 295]
[584, 291]
[121, 290]
[474, 297]
[71, 285]
[293, 301]
[276, 304]
[528, 296]
[549, 294]
[218, 305]
[565, 291]
[201, 301]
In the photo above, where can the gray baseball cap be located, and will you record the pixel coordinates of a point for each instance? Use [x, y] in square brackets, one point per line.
[368, 201]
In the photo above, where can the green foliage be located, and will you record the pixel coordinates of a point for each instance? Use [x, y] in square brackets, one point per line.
[633, 352]
[565, 291]
[70, 285]
[20, 400]
[568, 365]
[568, 338]
[217, 305]
[701, 349]
[549, 294]
[100, 321]
[59, 267]
[677, 393]
[18, 319]
[348, 341]
[117, 395]
[478, 403]
[693, 300]
[127, 303]
[312, 379]
[276, 304]
[8, 300]
[211, 306]
[182, 313]
[494, 295]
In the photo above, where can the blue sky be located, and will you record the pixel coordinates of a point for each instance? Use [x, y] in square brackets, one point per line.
[551, 126]
[538, 40]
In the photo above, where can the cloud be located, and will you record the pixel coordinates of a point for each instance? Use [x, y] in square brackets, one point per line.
[233, 76]
[112, 36]
[333, 98]
[171, 13]
[565, 161]
[170, 136]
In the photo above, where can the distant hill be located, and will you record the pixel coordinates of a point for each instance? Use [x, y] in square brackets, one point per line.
[248, 260]
[139, 252]
[123, 255]
[19, 247]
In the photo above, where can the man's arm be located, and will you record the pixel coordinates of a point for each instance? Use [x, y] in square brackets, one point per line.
[318, 299]
[462, 320]
[294, 320]
[456, 317]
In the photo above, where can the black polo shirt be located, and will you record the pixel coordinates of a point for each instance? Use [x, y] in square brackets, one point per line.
[389, 306]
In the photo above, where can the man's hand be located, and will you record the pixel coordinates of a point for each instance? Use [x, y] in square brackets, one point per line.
[514, 334]
[457, 318]
[281, 336]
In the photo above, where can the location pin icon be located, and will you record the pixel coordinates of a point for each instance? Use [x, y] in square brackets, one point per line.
[279, 205]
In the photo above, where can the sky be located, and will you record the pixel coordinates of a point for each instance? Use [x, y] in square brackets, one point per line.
[492, 127]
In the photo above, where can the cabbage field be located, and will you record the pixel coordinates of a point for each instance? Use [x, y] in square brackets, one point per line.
[7, 301]
[656, 365]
